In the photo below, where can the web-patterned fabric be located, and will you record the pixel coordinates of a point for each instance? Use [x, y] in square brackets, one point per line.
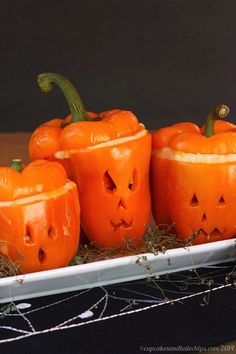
[34, 317]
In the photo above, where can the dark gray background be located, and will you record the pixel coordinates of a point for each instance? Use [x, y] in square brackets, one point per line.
[167, 61]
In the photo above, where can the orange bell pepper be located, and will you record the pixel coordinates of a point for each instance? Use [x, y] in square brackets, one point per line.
[108, 156]
[39, 215]
[193, 178]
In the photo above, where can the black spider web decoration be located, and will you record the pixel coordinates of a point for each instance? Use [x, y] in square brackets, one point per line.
[20, 319]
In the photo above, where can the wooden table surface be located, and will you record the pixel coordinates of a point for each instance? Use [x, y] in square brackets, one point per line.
[14, 146]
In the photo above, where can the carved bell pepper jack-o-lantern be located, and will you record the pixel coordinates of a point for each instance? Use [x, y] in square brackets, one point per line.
[108, 156]
[193, 178]
[39, 215]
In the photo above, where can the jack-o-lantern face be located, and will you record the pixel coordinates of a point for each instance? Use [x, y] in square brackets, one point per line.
[39, 216]
[108, 156]
[193, 181]
[113, 184]
[199, 204]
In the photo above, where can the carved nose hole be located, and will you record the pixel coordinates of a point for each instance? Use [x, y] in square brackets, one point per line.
[216, 231]
[204, 218]
[194, 201]
[133, 183]
[108, 182]
[222, 200]
[28, 235]
[122, 204]
[42, 255]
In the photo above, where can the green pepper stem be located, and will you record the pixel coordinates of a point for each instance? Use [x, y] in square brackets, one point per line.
[17, 165]
[46, 81]
[221, 111]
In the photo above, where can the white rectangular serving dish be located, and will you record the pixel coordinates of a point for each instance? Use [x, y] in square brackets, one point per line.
[115, 270]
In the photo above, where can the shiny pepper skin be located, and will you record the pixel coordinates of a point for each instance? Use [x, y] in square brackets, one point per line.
[108, 156]
[193, 180]
[109, 161]
[39, 216]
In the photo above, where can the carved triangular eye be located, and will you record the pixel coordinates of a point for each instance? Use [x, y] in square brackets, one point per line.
[28, 234]
[221, 200]
[52, 232]
[108, 182]
[194, 200]
[133, 183]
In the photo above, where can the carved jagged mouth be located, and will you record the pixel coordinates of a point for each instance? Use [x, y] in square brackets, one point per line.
[215, 233]
[121, 224]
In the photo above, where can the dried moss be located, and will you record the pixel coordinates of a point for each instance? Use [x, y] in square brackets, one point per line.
[8, 267]
[156, 239]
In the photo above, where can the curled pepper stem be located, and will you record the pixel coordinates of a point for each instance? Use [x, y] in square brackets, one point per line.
[17, 165]
[221, 111]
[46, 81]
